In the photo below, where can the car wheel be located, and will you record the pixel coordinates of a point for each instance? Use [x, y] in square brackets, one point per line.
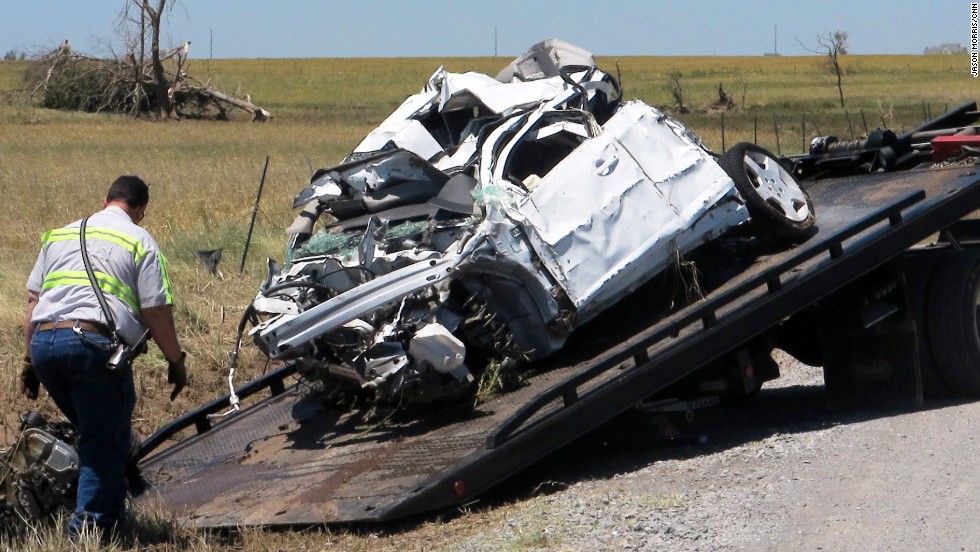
[780, 208]
[952, 319]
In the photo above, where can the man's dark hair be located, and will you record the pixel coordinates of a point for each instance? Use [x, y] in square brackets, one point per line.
[130, 189]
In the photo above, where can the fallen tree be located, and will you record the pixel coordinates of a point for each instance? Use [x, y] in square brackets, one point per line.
[63, 79]
[133, 83]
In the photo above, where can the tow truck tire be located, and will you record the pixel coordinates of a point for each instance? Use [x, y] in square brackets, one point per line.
[952, 320]
[780, 208]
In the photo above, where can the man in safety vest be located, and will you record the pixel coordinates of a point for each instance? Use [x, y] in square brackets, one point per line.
[70, 339]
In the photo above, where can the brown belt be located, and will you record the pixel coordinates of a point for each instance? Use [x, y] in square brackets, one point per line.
[90, 326]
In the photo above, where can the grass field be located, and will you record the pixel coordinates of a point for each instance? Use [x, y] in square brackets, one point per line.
[55, 167]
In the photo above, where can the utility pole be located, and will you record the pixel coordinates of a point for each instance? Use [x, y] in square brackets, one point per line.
[211, 53]
[775, 48]
[494, 41]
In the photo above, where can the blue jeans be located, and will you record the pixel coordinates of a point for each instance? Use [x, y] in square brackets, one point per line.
[100, 405]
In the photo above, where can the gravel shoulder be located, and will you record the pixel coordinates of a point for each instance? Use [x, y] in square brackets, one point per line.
[783, 473]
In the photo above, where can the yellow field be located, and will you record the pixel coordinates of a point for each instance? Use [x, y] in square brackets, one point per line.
[54, 168]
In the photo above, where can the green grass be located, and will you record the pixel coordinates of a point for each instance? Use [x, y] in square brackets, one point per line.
[55, 167]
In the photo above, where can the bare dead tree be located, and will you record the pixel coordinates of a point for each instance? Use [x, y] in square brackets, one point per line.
[674, 87]
[833, 45]
[742, 87]
[164, 106]
[132, 82]
[146, 17]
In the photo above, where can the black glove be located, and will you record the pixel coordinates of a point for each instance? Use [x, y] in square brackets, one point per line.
[29, 384]
[177, 375]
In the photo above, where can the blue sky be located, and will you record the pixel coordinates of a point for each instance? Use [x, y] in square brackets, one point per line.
[448, 28]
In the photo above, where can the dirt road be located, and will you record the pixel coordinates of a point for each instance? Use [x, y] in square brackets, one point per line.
[905, 482]
[784, 473]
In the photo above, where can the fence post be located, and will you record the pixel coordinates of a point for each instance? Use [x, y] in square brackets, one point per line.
[864, 122]
[723, 132]
[775, 129]
[755, 130]
[803, 132]
[850, 129]
[255, 211]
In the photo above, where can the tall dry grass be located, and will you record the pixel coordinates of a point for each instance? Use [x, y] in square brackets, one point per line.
[55, 167]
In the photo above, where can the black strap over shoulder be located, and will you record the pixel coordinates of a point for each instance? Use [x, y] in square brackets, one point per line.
[110, 321]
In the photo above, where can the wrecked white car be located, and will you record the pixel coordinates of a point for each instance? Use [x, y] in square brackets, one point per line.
[487, 218]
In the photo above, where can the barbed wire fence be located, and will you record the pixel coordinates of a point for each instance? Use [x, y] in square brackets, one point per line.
[794, 131]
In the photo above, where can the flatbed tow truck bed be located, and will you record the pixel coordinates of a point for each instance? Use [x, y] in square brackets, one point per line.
[290, 460]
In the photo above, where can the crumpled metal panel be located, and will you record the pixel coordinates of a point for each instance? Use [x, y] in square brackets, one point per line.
[446, 92]
[375, 173]
[546, 59]
[462, 91]
[395, 123]
[406, 134]
[683, 172]
[285, 332]
[625, 201]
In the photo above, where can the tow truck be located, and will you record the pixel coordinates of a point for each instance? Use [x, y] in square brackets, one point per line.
[883, 295]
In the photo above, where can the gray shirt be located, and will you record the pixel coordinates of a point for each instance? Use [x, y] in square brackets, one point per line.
[130, 269]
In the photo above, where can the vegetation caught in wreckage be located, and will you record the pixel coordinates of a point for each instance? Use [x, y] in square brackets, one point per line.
[143, 80]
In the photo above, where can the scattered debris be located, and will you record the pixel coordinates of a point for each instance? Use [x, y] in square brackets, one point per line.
[951, 135]
[39, 472]
[210, 258]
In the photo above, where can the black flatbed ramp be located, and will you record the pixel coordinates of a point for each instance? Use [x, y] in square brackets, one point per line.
[289, 460]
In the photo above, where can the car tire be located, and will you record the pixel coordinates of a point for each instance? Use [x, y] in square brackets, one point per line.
[952, 318]
[919, 267]
[780, 208]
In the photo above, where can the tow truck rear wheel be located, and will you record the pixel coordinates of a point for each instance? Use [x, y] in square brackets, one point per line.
[953, 320]
[780, 208]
